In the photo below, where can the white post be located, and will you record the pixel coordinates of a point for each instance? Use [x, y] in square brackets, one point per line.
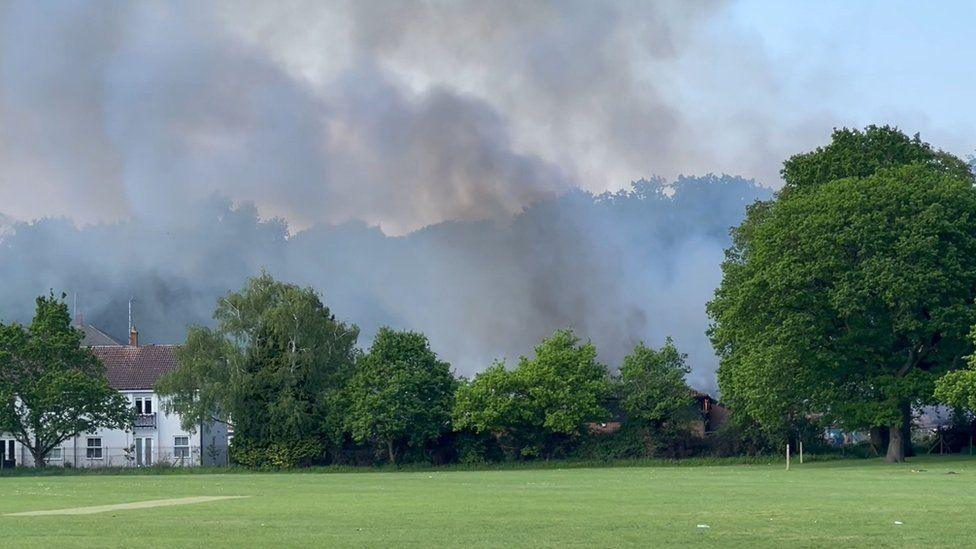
[801, 451]
[787, 457]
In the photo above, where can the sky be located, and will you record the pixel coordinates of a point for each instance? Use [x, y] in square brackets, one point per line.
[171, 149]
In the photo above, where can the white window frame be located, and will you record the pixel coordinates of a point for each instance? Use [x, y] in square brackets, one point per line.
[89, 449]
[59, 450]
[177, 447]
[144, 405]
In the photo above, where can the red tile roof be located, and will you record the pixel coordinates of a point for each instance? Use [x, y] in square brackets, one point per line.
[134, 368]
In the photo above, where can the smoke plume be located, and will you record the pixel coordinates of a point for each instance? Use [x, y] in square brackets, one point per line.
[433, 166]
[618, 268]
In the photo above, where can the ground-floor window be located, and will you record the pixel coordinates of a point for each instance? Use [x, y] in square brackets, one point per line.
[56, 454]
[181, 447]
[93, 449]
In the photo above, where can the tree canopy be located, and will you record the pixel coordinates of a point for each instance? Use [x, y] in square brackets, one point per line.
[401, 394]
[652, 385]
[852, 291]
[52, 388]
[551, 395]
[861, 153]
[274, 367]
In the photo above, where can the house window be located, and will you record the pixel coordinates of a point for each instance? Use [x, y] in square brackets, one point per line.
[144, 405]
[93, 449]
[181, 447]
[55, 455]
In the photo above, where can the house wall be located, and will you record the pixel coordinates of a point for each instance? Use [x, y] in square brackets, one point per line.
[208, 445]
[214, 442]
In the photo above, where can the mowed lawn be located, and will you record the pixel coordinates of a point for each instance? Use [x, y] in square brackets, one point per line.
[814, 505]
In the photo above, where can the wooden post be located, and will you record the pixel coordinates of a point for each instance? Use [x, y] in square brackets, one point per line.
[787, 457]
[801, 451]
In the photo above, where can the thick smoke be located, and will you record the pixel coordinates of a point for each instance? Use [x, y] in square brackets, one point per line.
[6, 226]
[619, 268]
[398, 114]
[420, 163]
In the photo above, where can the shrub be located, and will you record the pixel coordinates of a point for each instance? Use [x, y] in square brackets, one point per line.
[283, 455]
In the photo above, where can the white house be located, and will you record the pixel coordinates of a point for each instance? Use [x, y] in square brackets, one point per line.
[156, 437]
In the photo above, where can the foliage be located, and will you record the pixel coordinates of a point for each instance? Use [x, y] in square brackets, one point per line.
[652, 385]
[958, 388]
[276, 454]
[542, 402]
[401, 394]
[857, 153]
[636, 441]
[52, 388]
[848, 297]
[274, 367]
[741, 436]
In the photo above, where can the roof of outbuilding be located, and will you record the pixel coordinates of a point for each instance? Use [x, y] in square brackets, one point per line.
[131, 368]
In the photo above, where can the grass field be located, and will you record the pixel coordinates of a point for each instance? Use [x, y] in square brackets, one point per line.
[840, 503]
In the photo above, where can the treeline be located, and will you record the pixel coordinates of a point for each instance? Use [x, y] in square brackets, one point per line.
[287, 375]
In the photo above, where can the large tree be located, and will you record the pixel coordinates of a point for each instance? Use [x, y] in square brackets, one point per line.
[851, 291]
[544, 399]
[273, 367]
[653, 390]
[401, 394]
[52, 388]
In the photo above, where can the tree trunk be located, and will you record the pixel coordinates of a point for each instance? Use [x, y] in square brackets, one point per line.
[896, 444]
[389, 449]
[906, 430]
[38, 461]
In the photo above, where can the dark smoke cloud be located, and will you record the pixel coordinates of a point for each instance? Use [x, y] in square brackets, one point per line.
[420, 163]
[399, 114]
[137, 109]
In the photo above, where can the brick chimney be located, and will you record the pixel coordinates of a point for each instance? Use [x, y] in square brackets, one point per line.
[134, 337]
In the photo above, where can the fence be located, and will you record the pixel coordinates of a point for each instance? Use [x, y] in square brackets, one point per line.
[129, 457]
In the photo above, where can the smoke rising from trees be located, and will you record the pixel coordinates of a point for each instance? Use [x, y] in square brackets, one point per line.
[418, 163]
[618, 268]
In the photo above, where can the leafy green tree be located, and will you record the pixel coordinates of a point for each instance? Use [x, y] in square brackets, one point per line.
[52, 388]
[958, 388]
[401, 394]
[274, 367]
[549, 397]
[497, 401]
[862, 153]
[849, 293]
[653, 390]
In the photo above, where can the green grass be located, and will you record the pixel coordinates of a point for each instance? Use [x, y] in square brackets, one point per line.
[835, 503]
[415, 467]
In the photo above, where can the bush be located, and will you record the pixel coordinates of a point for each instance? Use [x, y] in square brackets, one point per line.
[282, 455]
[633, 442]
[472, 448]
[739, 438]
